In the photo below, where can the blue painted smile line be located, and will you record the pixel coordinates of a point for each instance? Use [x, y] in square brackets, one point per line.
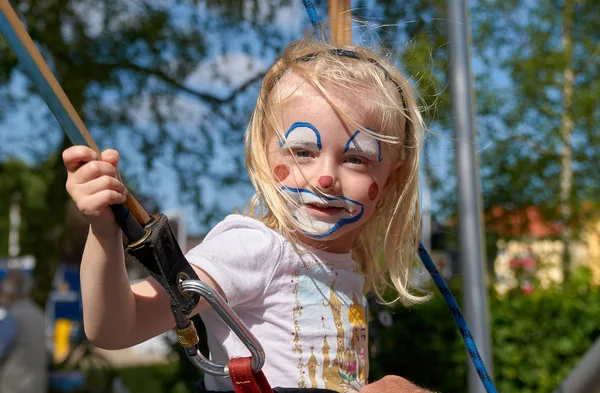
[297, 192]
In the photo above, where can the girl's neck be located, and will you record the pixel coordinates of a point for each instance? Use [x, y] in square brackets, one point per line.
[341, 245]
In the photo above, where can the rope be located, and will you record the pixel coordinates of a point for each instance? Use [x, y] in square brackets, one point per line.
[312, 15]
[465, 332]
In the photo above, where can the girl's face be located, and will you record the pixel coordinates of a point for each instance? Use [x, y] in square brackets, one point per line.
[334, 172]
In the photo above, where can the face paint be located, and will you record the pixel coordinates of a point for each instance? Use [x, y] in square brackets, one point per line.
[321, 216]
[365, 145]
[281, 172]
[373, 191]
[302, 135]
[325, 181]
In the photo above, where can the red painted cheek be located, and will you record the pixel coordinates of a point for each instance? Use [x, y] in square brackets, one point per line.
[373, 191]
[281, 172]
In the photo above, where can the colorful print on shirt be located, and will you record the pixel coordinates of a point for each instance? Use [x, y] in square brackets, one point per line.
[338, 360]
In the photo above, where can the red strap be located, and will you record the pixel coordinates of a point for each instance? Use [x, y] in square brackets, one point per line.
[244, 381]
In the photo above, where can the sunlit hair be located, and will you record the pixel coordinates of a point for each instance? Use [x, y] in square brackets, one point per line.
[388, 240]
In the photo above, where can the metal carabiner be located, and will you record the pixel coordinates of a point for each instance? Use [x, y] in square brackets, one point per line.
[232, 320]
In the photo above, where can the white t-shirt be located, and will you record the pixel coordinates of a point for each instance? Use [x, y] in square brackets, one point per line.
[306, 308]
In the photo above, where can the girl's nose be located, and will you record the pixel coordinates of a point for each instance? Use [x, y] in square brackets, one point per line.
[325, 181]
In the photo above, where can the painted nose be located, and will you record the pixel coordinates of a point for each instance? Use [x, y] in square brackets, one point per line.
[325, 181]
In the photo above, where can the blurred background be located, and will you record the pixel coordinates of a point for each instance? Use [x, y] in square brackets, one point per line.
[171, 85]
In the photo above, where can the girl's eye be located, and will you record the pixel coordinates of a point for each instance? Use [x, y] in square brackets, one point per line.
[303, 154]
[356, 160]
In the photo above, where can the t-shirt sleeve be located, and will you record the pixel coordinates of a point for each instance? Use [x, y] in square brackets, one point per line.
[240, 254]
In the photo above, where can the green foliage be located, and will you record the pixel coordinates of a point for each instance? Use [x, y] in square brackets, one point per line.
[537, 339]
[41, 215]
[178, 376]
[147, 379]
[424, 346]
[186, 375]
[521, 104]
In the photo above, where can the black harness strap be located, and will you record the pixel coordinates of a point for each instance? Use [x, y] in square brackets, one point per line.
[159, 254]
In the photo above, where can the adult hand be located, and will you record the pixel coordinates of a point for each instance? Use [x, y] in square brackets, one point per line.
[393, 384]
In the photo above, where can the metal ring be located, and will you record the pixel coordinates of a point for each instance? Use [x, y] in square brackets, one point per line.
[181, 277]
[137, 243]
[235, 324]
[153, 220]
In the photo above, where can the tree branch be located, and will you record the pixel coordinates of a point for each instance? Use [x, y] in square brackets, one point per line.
[209, 98]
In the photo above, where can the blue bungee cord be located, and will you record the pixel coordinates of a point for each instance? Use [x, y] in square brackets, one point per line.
[465, 332]
[312, 15]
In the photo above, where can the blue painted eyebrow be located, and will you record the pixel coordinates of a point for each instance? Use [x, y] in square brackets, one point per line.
[379, 158]
[306, 125]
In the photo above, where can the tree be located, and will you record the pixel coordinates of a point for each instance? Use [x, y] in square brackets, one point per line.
[34, 184]
[135, 72]
[538, 121]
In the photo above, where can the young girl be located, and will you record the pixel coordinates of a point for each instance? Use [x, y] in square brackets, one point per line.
[332, 150]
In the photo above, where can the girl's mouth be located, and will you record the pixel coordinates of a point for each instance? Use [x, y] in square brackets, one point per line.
[320, 209]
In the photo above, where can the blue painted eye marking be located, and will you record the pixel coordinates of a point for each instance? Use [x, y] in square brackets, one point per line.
[337, 225]
[350, 141]
[379, 157]
[305, 125]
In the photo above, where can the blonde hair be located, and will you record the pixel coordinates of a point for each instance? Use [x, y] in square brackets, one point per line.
[388, 240]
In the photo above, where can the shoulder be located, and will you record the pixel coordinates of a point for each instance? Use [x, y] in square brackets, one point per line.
[238, 239]
[235, 222]
[240, 232]
[240, 254]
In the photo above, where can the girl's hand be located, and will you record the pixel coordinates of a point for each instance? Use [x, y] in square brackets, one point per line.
[94, 184]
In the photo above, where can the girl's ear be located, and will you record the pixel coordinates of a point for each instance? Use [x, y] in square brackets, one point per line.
[394, 172]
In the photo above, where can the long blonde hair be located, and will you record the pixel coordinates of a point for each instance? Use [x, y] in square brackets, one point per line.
[388, 240]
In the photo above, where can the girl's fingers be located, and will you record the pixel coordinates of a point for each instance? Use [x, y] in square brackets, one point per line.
[76, 156]
[102, 183]
[111, 156]
[97, 203]
[93, 180]
[93, 170]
